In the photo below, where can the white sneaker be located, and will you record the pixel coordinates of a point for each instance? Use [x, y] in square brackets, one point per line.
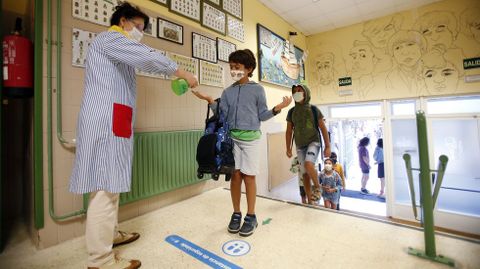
[120, 263]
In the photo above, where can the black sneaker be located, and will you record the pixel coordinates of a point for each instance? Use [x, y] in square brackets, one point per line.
[249, 225]
[234, 225]
[365, 191]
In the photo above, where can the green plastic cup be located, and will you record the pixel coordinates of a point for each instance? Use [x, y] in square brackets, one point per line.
[179, 86]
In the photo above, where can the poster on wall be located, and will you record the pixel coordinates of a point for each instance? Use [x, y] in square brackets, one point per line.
[204, 48]
[151, 28]
[235, 29]
[233, 7]
[213, 18]
[184, 63]
[98, 12]
[170, 31]
[279, 62]
[211, 74]
[224, 49]
[187, 8]
[81, 41]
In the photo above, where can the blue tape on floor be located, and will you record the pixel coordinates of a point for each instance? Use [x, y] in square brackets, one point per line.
[199, 253]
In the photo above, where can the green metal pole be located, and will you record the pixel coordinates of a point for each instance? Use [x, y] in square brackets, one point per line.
[442, 166]
[38, 115]
[411, 186]
[425, 186]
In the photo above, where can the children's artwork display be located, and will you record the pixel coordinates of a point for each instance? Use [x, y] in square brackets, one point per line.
[170, 31]
[96, 11]
[204, 48]
[211, 74]
[151, 74]
[151, 28]
[184, 62]
[187, 8]
[280, 63]
[235, 28]
[233, 7]
[81, 41]
[224, 49]
[213, 18]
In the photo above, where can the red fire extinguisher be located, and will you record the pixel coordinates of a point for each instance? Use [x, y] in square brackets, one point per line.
[17, 64]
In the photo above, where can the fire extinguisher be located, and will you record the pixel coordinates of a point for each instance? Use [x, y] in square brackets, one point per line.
[17, 64]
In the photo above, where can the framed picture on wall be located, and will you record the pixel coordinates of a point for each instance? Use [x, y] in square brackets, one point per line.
[187, 8]
[224, 49]
[151, 28]
[213, 18]
[233, 7]
[235, 28]
[204, 48]
[274, 52]
[169, 31]
[161, 2]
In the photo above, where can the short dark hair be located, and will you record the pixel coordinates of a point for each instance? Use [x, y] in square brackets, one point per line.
[244, 57]
[128, 12]
[380, 142]
[364, 142]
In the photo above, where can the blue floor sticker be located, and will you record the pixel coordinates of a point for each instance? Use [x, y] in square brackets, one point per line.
[236, 248]
[199, 253]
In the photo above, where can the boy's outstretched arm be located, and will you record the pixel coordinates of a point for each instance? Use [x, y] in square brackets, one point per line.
[203, 96]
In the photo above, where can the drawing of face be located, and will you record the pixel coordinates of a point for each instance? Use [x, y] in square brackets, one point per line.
[475, 30]
[379, 37]
[362, 60]
[407, 53]
[441, 79]
[324, 65]
[438, 36]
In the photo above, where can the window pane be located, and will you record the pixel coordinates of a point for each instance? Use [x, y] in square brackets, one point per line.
[404, 139]
[372, 110]
[454, 105]
[403, 108]
[459, 141]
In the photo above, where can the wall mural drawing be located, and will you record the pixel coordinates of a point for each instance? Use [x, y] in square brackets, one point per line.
[407, 54]
[279, 62]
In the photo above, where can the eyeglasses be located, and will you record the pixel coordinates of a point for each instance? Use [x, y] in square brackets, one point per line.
[139, 26]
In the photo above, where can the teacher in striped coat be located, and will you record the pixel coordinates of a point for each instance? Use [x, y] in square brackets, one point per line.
[103, 161]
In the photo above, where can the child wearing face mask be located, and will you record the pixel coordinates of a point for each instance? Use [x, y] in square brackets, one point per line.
[303, 124]
[331, 185]
[244, 104]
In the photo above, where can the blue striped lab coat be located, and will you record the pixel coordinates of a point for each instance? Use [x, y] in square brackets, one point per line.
[103, 159]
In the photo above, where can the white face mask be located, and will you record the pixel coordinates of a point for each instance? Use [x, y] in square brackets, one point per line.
[328, 167]
[135, 34]
[237, 74]
[298, 96]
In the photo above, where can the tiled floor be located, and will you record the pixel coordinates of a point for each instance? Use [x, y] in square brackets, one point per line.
[295, 237]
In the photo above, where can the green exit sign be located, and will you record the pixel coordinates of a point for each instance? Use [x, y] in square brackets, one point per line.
[471, 63]
[345, 81]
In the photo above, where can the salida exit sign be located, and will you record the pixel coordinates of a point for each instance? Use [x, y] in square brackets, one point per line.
[471, 63]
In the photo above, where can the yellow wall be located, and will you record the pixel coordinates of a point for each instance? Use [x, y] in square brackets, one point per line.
[414, 53]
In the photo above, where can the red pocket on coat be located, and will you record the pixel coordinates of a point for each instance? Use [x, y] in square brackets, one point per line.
[122, 120]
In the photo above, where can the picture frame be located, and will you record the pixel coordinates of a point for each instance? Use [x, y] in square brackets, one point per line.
[213, 18]
[211, 74]
[190, 9]
[151, 28]
[224, 49]
[233, 7]
[169, 31]
[274, 51]
[204, 48]
[161, 2]
[235, 28]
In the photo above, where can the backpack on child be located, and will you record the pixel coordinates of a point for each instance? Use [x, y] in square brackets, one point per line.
[214, 150]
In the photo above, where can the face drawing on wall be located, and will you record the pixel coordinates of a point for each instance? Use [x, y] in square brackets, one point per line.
[439, 28]
[407, 48]
[363, 59]
[324, 65]
[440, 75]
[379, 31]
[471, 22]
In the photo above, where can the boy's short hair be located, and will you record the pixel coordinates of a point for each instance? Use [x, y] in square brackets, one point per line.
[244, 57]
[128, 12]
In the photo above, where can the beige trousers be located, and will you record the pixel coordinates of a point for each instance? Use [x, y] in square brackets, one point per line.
[102, 222]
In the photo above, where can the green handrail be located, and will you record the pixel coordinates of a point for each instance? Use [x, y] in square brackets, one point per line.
[427, 200]
[49, 111]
